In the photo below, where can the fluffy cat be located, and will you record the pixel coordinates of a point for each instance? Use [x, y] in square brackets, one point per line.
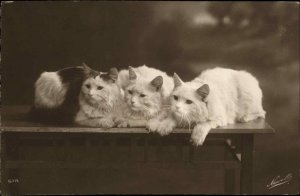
[217, 97]
[63, 97]
[56, 95]
[146, 90]
[101, 101]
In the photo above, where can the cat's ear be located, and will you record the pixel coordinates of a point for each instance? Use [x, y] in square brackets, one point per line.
[132, 74]
[203, 91]
[113, 74]
[177, 80]
[86, 68]
[157, 82]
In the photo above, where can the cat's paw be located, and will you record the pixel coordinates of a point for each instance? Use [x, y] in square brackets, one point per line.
[165, 128]
[106, 123]
[249, 117]
[152, 125]
[199, 134]
[121, 122]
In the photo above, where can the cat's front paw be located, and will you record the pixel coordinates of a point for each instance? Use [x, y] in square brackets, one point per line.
[199, 134]
[165, 127]
[121, 122]
[106, 123]
[152, 125]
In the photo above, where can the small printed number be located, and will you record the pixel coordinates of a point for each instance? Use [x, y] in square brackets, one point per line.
[10, 181]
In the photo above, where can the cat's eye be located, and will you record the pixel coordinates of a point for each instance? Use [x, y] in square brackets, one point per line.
[142, 95]
[189, 101]
[130, 92]
[88, 86]
[99, 87]
[175, 97]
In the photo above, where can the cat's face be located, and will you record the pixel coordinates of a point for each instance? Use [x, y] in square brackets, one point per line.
[187, 101]
[144, 96]
[100, 88]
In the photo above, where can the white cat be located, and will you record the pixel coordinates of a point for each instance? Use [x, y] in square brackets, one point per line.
[146, 91]
[217, 97]
[101, 101]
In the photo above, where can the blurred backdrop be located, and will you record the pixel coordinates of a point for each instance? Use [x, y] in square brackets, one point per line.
[182, 37]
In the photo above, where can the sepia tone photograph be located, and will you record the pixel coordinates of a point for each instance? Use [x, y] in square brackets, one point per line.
[149, 97]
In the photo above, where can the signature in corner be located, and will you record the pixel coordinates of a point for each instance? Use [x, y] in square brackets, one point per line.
[280, 181]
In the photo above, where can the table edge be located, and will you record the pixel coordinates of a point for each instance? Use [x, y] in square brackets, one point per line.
[132, 130]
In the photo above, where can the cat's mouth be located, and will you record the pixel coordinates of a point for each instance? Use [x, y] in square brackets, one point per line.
[135, 108]
[95, 98]
[177, 113]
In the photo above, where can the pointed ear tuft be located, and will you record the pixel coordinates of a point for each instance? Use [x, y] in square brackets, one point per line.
[203, 91]
[86, 68]
[132, 74]
[157, 82]
[113, 73]
[177, 80]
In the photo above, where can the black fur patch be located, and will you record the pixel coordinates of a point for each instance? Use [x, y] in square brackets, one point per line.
[105, 76]
[70, 74]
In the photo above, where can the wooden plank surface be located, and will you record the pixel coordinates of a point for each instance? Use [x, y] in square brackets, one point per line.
[15, 119]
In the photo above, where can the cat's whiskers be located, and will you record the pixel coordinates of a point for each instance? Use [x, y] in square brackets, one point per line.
[146, 111]
[186, 120]
[103, 97]
[189, 122]
[105, 107]
[181, 119]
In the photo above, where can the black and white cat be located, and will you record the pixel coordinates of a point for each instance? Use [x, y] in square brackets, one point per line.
[56, 95]
[101, 101]
[76, 94]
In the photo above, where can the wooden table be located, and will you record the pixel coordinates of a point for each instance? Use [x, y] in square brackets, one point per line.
[121, 148]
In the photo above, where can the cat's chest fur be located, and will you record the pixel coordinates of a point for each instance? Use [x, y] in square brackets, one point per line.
[91, 110]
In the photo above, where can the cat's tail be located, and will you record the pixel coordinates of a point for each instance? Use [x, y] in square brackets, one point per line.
[49, 90]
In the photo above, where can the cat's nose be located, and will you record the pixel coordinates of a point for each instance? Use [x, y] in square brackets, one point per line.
[91, 92]
[132, 102]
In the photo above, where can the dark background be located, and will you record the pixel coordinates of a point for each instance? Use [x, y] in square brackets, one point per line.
[182, 37]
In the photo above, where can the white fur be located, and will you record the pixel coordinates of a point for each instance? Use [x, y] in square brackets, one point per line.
[49, 91]
[150, 105]
[100, 107]
[233, 96]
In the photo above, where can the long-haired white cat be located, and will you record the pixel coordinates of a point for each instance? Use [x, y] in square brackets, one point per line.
[100, 100]
[217, 97]
[146, 91]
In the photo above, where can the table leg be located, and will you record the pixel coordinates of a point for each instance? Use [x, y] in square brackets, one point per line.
[247, 153]
[231, 175]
